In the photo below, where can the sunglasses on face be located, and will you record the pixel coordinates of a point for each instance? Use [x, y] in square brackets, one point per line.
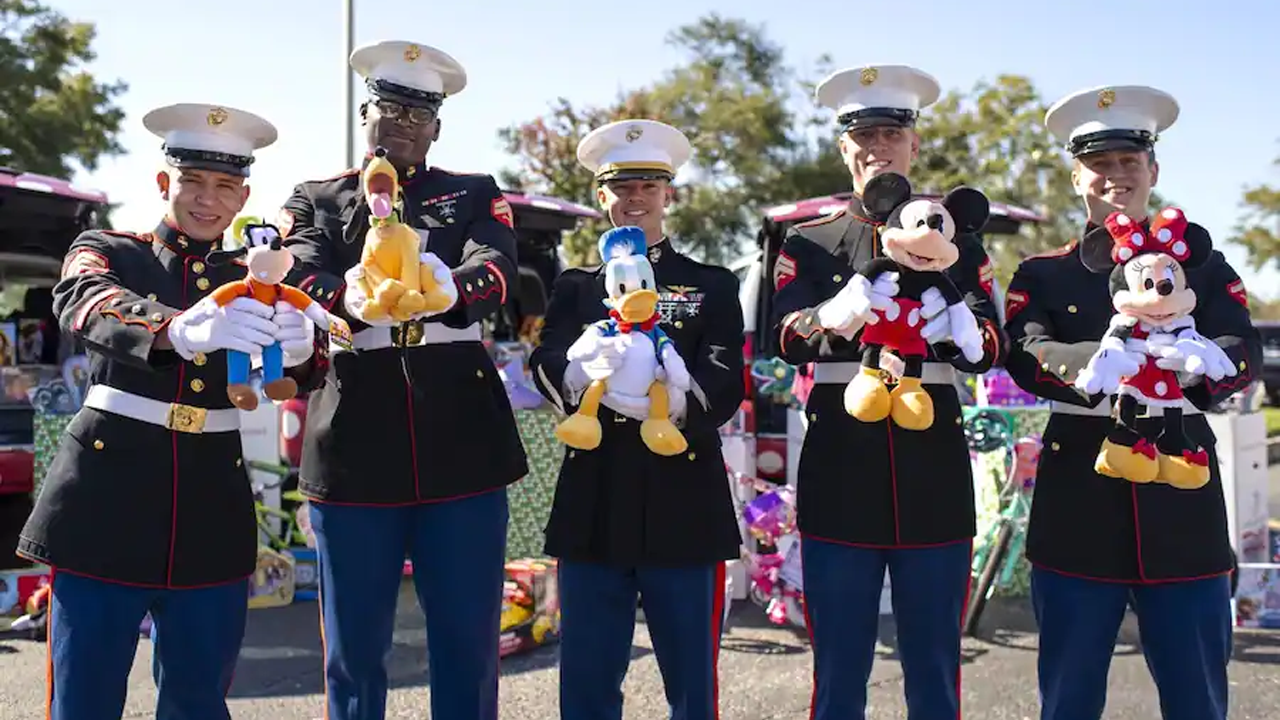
[395, 111]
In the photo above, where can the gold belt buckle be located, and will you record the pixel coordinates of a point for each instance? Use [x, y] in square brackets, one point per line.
[407, 334]
[186, 418]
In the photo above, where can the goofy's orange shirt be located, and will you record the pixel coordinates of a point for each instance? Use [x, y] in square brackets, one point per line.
[263, 293]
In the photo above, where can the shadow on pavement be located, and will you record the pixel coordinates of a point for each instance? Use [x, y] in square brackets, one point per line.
[1257, 647]
[281, 655]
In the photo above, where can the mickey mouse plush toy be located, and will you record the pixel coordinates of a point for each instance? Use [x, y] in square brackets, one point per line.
[1151, 338]
[918, 238]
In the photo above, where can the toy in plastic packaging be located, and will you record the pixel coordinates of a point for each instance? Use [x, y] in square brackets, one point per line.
[530, 606]
[771, 515]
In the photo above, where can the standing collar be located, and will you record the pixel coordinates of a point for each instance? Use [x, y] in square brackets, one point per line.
[172, 236]
[660, 249]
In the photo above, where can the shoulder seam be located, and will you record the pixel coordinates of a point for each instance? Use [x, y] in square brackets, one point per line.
[1056, 252]
[823, 220]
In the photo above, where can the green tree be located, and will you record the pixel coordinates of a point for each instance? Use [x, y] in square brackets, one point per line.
[734, 97]
[1259, 230]
[52, 111]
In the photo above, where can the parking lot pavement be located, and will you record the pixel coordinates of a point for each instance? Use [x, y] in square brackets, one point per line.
[765, 673]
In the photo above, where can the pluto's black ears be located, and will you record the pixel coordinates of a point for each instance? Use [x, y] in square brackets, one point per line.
[1200, 244]
[1095, 251]
[883, 194]
[969, 209]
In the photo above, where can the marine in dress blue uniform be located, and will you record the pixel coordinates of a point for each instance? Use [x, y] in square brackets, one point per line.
[873, 496]
[410, 439]
[1099, 544]
[626, 523]
[147, 506]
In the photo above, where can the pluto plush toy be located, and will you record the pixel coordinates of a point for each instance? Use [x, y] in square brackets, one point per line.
[268, 263]
[1136, 359]
[918, 239]
[394, 280]
[649, 358]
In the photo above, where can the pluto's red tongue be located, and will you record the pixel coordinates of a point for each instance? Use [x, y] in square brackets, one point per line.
[380, 205]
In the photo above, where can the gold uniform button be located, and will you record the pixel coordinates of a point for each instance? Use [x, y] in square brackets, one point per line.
[1044, 366]
[1242, 365]
[480, 374]
[151, 297]
[200, 359]
[480, 282]
[468, 287]
[572, 454]
[197, 267]
[98, 445]
[1072, 309]
[693, 456]
[203, 283]
[156, 317]
[136, 309]
[813, 417]
[1062, 369]
[837, 278]
[1055, 446]
[679, 324]
[197, 385]
[239, 462]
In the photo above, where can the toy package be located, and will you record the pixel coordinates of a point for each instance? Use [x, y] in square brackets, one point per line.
[1258, 596]
[530, 606]
[273, 582]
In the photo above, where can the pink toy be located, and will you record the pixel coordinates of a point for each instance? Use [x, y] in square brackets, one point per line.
[771, 515]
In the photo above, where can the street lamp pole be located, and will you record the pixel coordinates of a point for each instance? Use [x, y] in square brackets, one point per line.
[348, 107]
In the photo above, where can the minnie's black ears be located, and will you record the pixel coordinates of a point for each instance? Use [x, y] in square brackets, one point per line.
[883, 194]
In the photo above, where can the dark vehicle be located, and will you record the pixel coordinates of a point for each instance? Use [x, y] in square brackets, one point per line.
[1270, 331]
[39, 217]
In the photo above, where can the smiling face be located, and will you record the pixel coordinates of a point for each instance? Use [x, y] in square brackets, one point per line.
[920, 235]
[636, 202]
[870, 151]
[1116, 180]
[1153, 288]
[631, 287]
[202, 203]
[405, 132]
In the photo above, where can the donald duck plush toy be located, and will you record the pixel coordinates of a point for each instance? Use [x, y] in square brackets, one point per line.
[650, 362]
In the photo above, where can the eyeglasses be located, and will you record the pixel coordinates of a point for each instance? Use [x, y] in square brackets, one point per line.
[395, 111]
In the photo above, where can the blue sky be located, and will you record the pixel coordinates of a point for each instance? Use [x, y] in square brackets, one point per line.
[285, 59]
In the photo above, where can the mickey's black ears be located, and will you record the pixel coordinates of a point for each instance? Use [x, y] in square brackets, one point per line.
[1200, 244]
[1095, 251]
[884, 193]
[969, 209]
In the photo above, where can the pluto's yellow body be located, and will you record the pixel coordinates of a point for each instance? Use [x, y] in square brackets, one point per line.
[394, 280]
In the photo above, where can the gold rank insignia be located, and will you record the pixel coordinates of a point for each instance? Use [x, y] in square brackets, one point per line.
[412, 53]
[1106, 98]
[216, 116]
[869, 75]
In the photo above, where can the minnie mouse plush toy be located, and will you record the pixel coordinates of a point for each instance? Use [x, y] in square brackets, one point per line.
[1150, 346]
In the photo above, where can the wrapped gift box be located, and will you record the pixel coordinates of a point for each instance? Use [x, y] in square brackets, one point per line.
[530, 606]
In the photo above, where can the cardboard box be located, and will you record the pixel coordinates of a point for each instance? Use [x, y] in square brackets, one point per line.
[530, 606]
[273, 583]
[1258, 596]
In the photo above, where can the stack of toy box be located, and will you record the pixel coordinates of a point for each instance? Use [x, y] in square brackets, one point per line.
[530, 606]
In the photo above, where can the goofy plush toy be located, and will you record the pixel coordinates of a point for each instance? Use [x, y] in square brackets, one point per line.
[649, 359]
[1153, 304]
[268, 264]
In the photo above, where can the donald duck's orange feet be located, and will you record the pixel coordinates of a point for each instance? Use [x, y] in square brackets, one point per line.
[580, 431]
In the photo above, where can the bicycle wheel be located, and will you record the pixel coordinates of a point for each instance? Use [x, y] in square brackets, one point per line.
[986, 578]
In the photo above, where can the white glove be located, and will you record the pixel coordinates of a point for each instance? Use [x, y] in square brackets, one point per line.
[296, 334]
[354, 299]
[591, 357]
[675, 375]
[852, 307]
[1191, 353]
[444, 278]
[1108, 366]
[965, 332]
[244, 324]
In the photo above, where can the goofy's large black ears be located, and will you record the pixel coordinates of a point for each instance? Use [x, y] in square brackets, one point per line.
[884, 193]
[969, 209]
[1200, 245]
[1095, 251]
[222, 257]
